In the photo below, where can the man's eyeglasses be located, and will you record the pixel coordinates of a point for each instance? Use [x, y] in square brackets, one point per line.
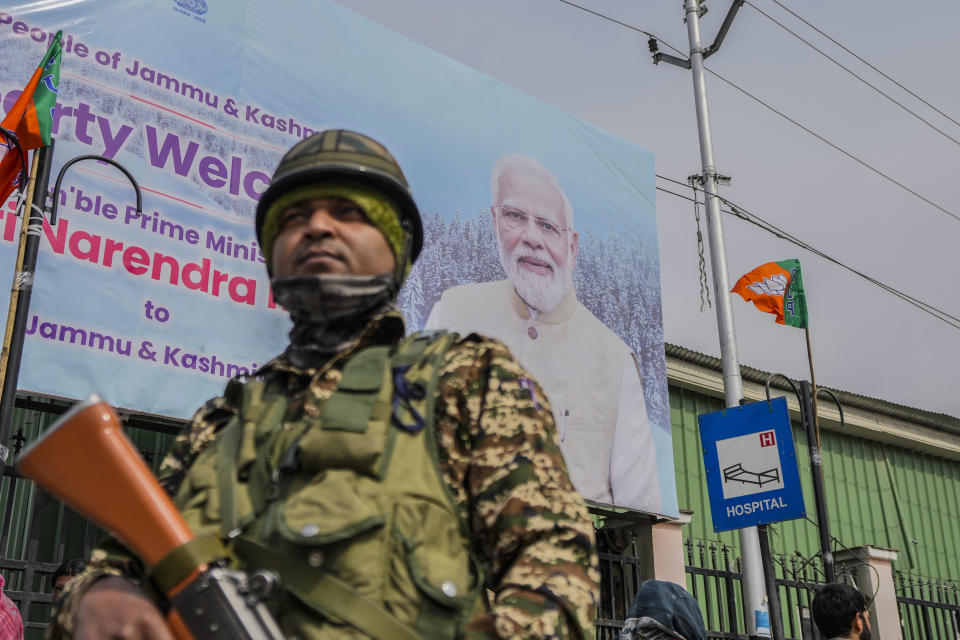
[516, 218]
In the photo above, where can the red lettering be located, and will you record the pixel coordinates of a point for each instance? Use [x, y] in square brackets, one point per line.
[202, 271]
[85, 246]
[59, 241]
[218, 279]
[135, 260]
[271, 303]
[9, 226]
[158, 261]
[249, 287]
[92, 253]
[110, 249]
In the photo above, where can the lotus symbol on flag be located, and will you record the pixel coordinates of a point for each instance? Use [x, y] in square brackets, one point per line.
[776, 287]
[773, 285]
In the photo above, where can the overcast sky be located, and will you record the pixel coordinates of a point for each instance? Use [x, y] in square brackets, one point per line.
[865, 340]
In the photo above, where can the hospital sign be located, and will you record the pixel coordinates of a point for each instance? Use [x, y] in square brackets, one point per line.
[751, 465]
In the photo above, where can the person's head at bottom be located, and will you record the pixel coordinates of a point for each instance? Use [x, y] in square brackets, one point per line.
[840, 611]
[663, 611]
[64, 573]
[339, 231]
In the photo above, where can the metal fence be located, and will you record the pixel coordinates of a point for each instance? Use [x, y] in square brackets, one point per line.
[714, 578]
[797, 581]
[929, 609]
[621, 574]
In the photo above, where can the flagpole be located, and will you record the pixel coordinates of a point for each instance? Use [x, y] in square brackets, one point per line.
[23, 279]
[812, 424]
[813, 384]
[18, 265]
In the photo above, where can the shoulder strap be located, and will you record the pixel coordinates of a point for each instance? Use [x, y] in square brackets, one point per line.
[236, 446]
[350, 406]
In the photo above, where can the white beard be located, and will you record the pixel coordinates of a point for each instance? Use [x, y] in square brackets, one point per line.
[540, 292]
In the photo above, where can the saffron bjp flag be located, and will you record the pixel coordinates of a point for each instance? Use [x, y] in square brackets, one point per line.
[30, 118]
[776, 287]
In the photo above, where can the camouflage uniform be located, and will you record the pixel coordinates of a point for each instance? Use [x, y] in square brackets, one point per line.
[500, 458]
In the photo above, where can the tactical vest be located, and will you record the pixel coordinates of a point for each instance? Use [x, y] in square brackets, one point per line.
[344, 499]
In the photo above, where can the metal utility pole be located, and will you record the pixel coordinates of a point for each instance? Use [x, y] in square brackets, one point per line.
[753, 581]
[753, 577]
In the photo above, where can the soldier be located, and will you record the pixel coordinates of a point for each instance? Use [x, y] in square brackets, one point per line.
[401, 487]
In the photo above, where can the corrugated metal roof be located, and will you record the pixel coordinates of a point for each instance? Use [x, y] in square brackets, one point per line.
[941, 421]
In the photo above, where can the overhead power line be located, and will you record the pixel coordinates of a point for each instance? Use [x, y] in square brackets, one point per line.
[819, 137]
[808, 130]
[853, 73]
[614, 20]
[622, 24]
[804, 21]
[743, 214]
[740, 212]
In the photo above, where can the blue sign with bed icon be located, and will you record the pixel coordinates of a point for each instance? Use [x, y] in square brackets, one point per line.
[751, 465]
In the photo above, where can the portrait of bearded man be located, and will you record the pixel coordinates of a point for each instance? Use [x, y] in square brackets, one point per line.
[591, 377]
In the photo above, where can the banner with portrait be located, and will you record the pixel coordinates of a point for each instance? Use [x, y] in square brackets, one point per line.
[200, 98]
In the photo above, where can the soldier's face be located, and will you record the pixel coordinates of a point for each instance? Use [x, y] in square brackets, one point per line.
[329, 236]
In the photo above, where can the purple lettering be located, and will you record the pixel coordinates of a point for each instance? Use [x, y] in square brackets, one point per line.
[170, 356]
[171, 147]
[112, 143]
[212, 171]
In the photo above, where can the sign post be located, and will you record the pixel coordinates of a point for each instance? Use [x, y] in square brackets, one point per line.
[752, 477]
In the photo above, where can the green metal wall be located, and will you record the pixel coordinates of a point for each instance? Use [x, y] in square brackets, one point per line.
[877, 494]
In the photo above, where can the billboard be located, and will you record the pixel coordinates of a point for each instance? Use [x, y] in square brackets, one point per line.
[199, 99]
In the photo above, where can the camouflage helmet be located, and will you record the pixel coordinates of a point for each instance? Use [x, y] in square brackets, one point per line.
[337, 153]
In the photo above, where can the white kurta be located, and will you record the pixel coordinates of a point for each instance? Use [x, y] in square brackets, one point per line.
[590, 377]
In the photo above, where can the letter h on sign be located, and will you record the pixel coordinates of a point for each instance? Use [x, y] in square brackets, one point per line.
[767, 439]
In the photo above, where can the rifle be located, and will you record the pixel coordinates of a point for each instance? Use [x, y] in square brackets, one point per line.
[87, 462]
